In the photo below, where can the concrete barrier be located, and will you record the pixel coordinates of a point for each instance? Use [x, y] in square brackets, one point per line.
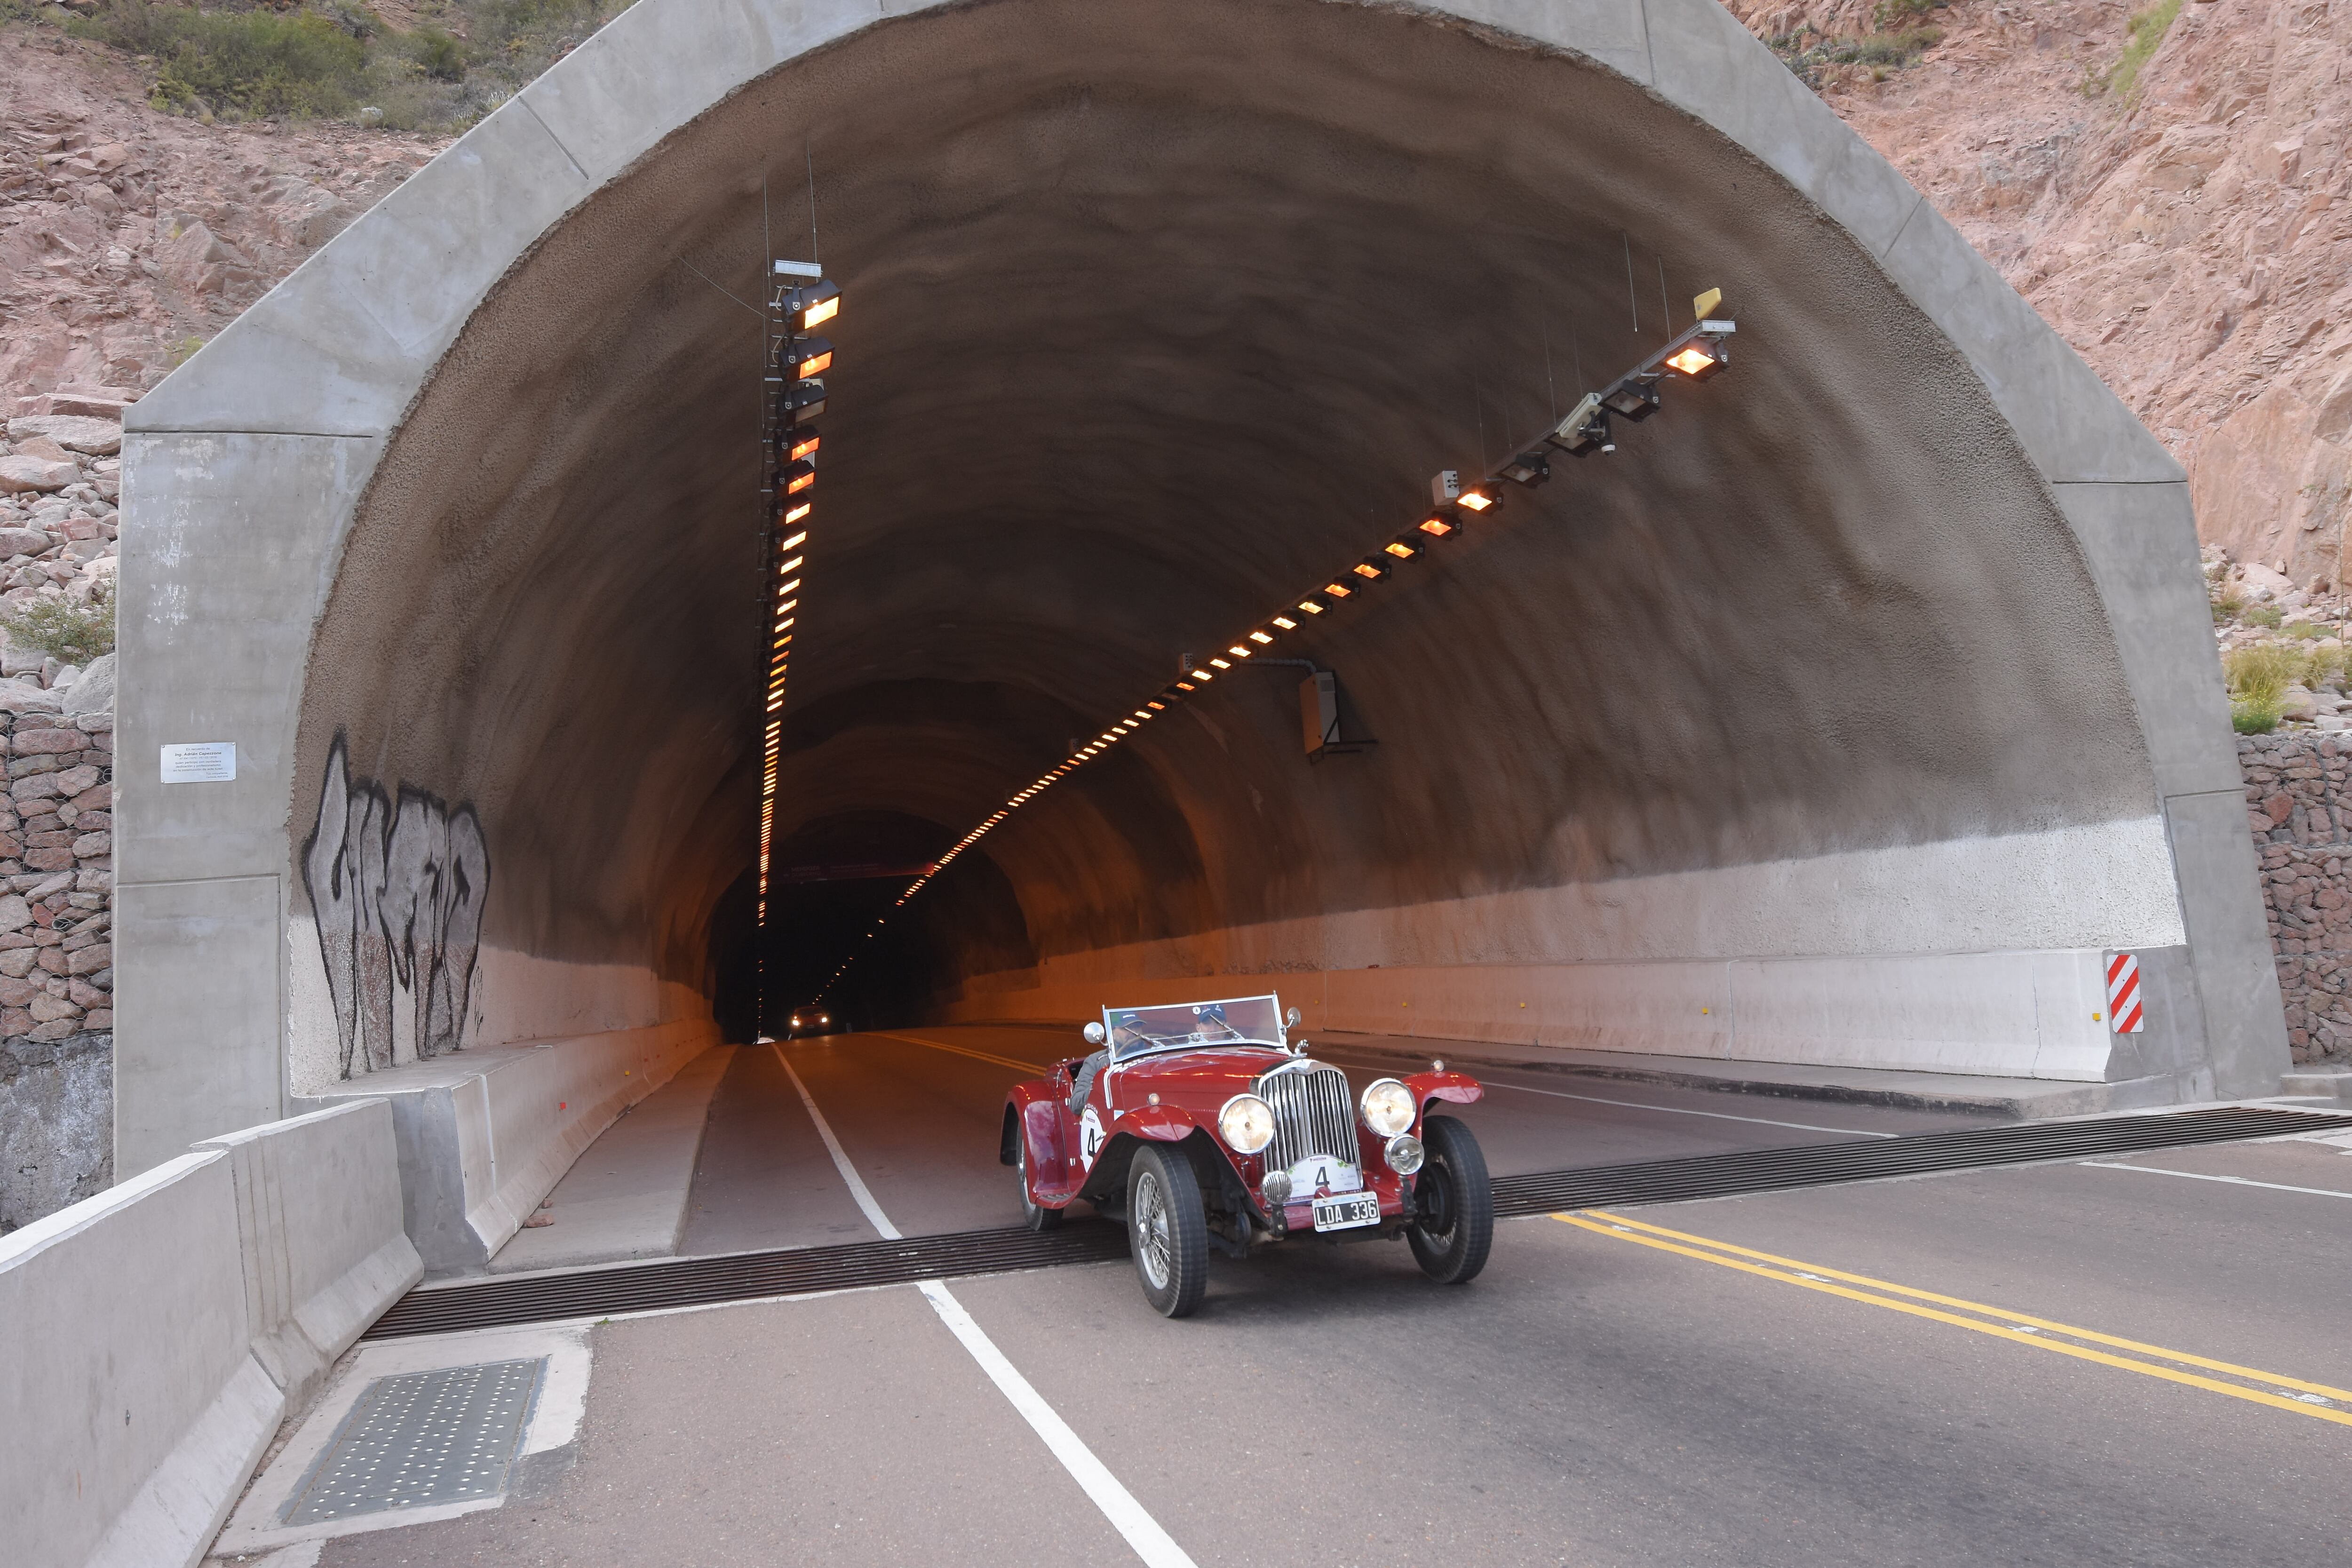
[485, 1134]
[318, 1219]
[160, 1330]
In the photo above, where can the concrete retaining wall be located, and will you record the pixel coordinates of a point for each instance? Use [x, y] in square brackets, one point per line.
[159, 1331]
[485, 1135]
[2013, 1015]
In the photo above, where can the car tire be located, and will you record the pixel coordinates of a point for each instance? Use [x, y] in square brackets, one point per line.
[1454, 1203]
[1035, 1215]
[1167, 1229]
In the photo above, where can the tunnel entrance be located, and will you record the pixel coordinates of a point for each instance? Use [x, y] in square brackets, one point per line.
[1852, 710]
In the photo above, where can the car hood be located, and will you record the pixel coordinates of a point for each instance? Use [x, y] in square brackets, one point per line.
[1201, 1082]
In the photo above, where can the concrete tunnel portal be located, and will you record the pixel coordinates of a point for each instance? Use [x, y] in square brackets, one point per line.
[1852, 711]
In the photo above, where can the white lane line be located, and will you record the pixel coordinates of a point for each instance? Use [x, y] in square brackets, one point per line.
[1668, 1110]
[2202, 1176]
[1127, 1516]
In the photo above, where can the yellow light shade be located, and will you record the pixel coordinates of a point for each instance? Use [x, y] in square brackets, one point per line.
[1704, 305]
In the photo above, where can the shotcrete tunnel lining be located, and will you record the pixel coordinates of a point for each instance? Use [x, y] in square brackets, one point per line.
[1155, 308]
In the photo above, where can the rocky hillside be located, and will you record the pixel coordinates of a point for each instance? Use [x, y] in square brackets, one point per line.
[2170, 190]
[128, 236]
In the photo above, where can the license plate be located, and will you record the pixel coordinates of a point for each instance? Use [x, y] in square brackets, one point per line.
[1346, 1213]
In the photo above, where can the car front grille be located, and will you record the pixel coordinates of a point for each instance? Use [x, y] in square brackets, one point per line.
[1312, 1115]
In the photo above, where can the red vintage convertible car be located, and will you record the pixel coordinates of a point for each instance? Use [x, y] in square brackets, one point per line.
[1203, 1125]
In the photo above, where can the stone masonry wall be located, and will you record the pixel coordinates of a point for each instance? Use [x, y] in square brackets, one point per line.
[2299, 804]
[59, 473]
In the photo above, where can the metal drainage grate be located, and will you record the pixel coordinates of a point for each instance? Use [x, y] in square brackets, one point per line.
[1917, 1153]
[421, 1439]
[698, 1282]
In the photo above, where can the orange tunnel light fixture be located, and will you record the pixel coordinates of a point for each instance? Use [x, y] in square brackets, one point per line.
[1337, 590]
[797, 513]
[1439, 527]
[1310, 607]
[801, 444]
[1401, 550]
[1371, 569]
[1477, 498]
[1262, 638]
[1286, 623]
[795, 542]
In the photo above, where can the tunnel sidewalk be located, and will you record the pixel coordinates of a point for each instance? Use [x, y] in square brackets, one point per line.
[2025, 1098]
[625, 1196]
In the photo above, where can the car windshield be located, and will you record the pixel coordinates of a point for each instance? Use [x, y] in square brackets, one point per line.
[1245, 1020]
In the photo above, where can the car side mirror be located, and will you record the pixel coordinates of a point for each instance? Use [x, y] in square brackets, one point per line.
[1094, 1034]
[1290, 1020]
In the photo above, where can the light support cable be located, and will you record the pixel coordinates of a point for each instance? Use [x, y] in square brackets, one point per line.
[1696, 353]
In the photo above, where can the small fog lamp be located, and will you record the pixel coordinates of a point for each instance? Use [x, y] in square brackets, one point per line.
[1276, 1188]
[1246, 1123]
[1404, 1154]
[1388, 1106]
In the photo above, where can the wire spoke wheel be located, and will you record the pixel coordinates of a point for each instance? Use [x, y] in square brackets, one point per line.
[1167, 1229]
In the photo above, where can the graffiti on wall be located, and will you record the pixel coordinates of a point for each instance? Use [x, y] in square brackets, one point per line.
[398, 881]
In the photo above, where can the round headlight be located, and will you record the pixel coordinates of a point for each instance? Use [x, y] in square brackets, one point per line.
[1388, 1106]
[1276, 1188]
[1405, 1153]
[1246, 1123]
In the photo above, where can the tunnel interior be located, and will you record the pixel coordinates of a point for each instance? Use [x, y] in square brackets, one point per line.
[1156, 315]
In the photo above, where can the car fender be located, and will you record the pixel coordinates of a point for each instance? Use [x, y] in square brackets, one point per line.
[1106, 1180]
[1459, 1088]
[1036, 1109]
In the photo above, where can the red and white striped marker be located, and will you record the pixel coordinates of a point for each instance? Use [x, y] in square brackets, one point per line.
[2123, 1011]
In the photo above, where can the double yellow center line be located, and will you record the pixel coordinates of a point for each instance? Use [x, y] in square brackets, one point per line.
[2312, 1399]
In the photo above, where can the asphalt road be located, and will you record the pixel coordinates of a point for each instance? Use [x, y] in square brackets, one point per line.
[2063, 1365]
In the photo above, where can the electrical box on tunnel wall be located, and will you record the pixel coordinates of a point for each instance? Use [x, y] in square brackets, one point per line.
[1325, 721]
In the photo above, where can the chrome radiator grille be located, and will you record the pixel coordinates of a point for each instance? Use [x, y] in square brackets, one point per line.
[1312, 1115]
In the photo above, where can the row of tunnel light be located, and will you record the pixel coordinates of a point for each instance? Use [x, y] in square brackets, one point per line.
[801, 360]
[1696, 353]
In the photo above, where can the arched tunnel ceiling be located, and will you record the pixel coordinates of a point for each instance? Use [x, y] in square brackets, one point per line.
[1156, 313]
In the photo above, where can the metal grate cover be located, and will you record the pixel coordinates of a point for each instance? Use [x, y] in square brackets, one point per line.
[420, 1439]
[735, 1277]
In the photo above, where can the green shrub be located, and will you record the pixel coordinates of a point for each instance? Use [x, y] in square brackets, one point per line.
[71, 630]
[1889, 15]
[2265, 616]
[2261, 674]
[2304, 630]
[2227, 603]
[2249, 719]
[237, 65]
[2146, 34]
[2323, 667]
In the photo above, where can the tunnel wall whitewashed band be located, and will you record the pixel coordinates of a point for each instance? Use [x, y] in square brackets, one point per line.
[242, 473]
